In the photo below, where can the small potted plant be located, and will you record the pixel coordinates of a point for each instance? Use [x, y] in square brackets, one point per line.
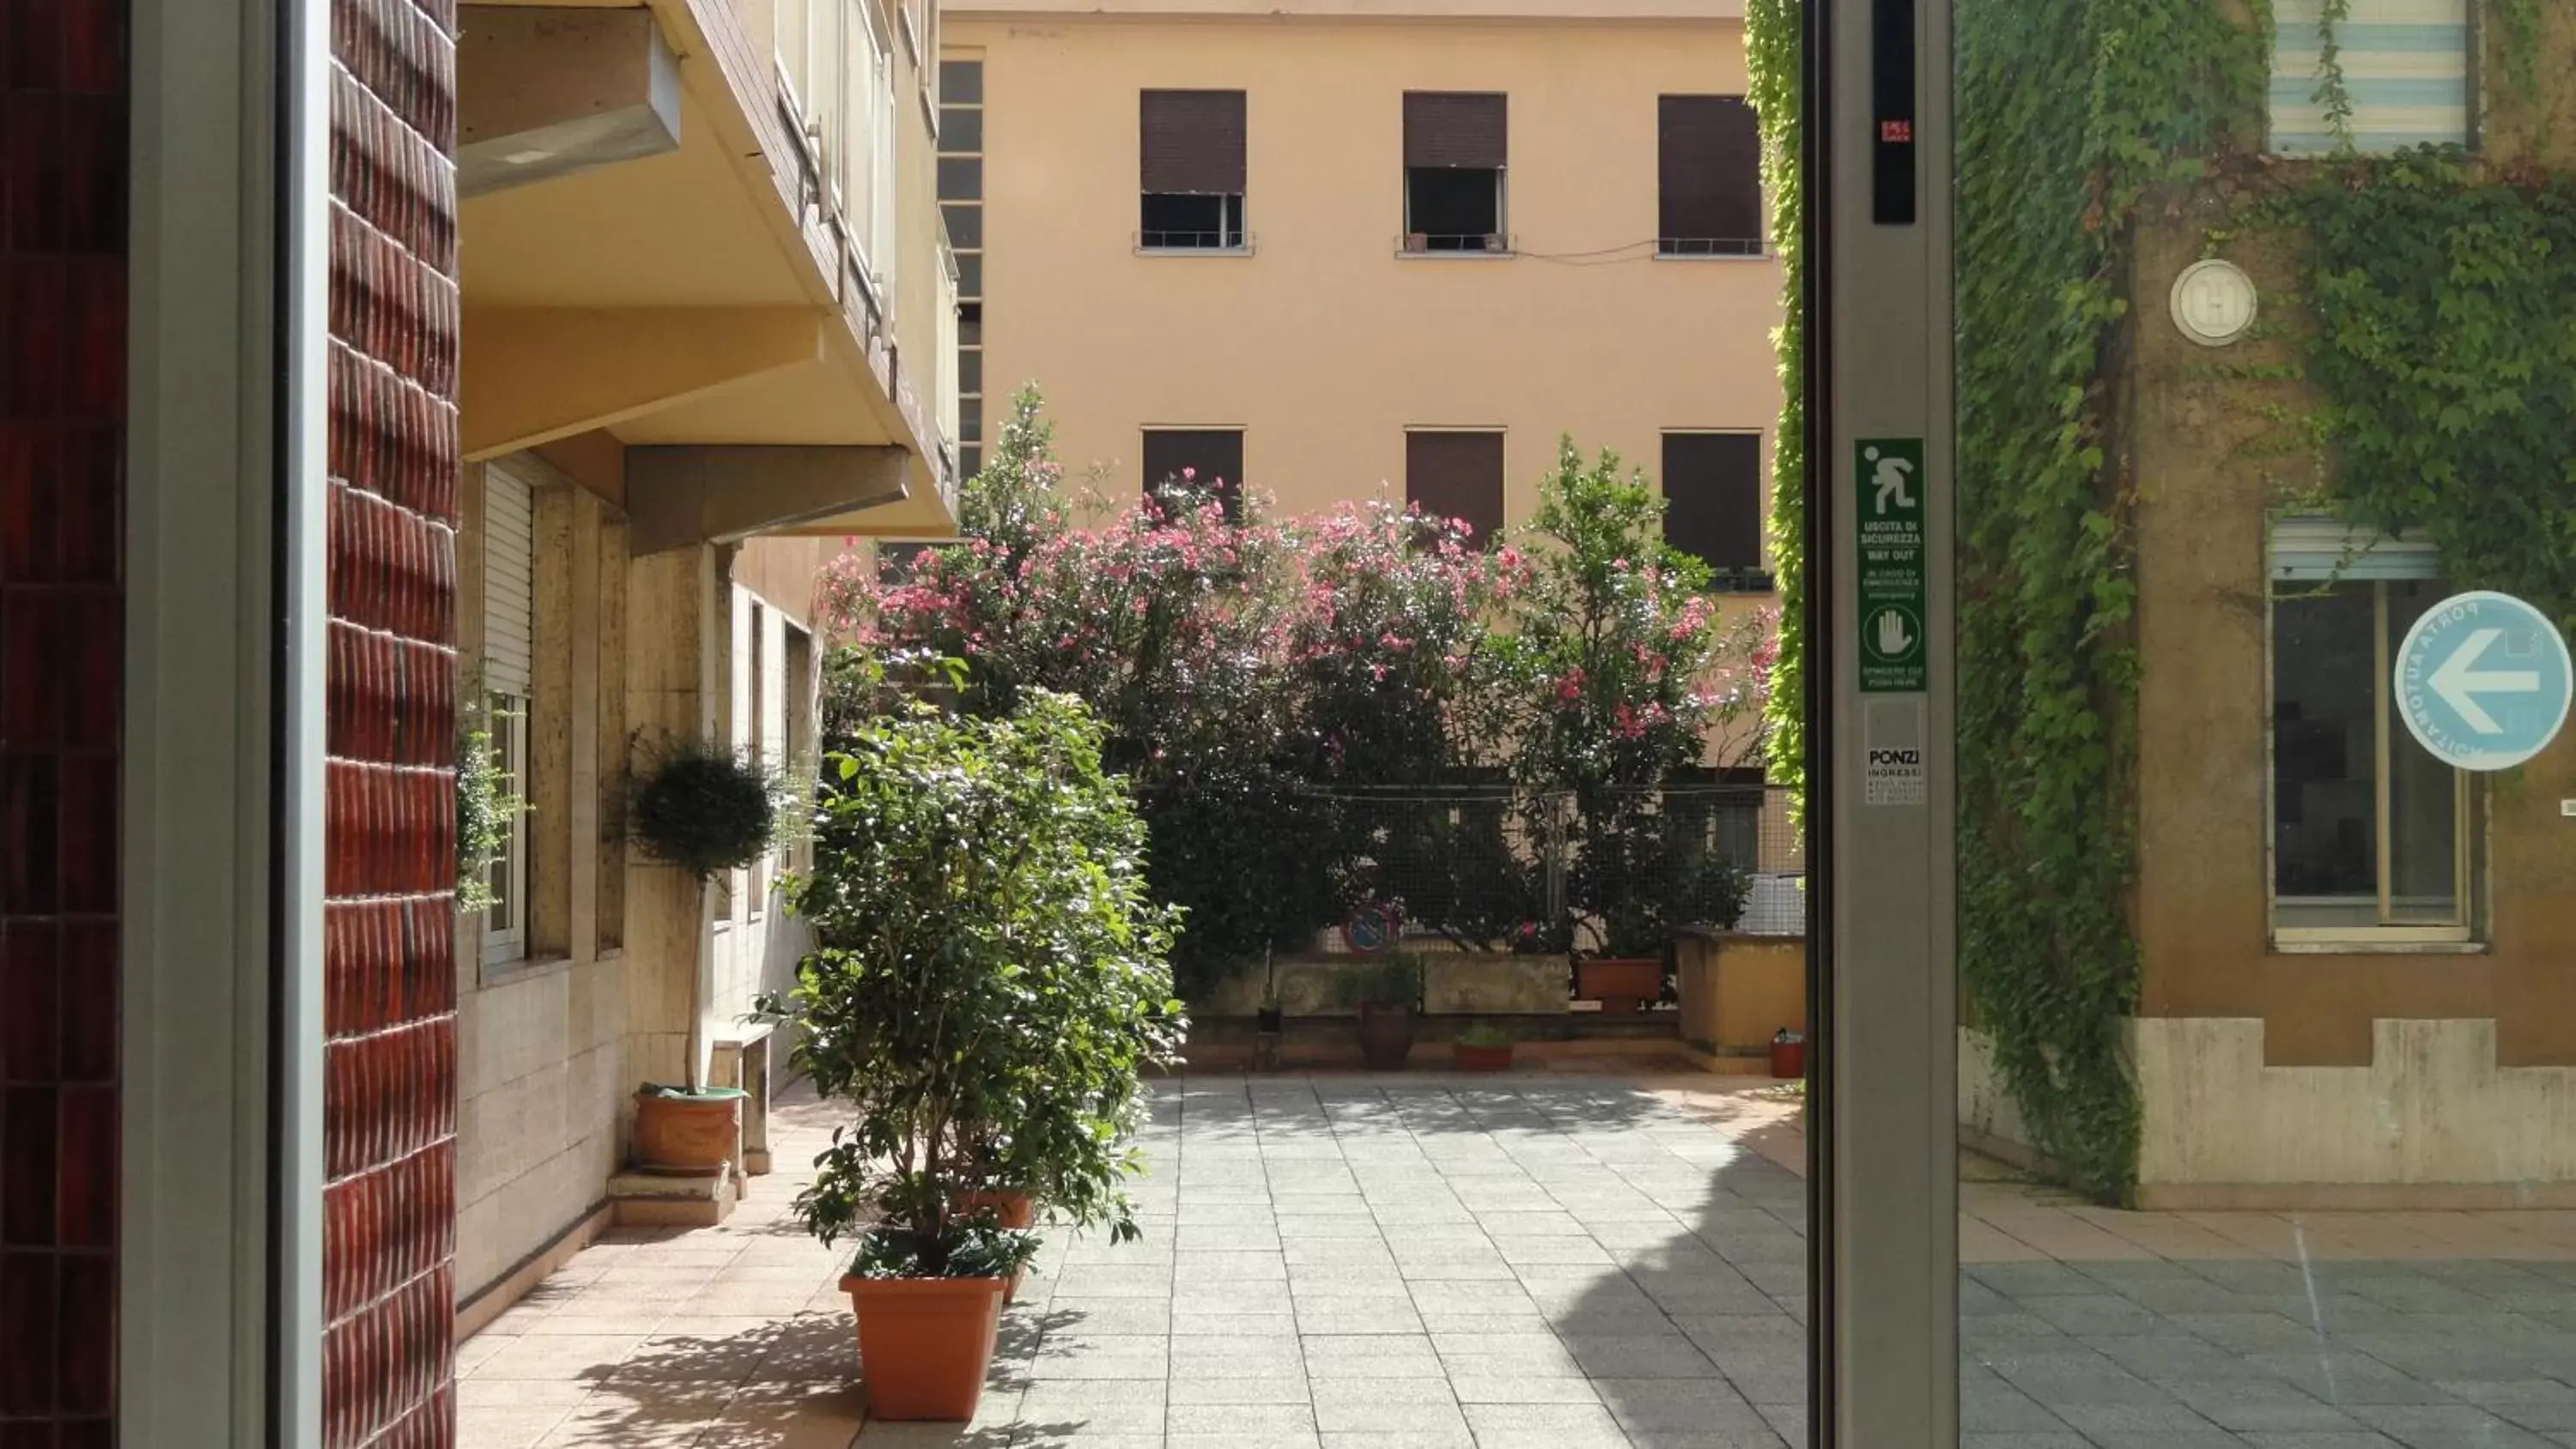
[1483, 1048]
[1388, 997]
[704, 809]
[687, 1130]
[991, 983]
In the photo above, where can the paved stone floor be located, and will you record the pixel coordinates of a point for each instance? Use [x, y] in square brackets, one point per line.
[1555, 1262]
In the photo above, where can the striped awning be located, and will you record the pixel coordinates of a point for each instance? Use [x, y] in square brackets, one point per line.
[2405, 69]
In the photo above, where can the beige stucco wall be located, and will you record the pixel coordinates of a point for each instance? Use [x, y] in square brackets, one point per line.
[1323, 343]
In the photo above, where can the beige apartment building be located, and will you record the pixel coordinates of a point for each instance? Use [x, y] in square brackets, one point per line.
[707, 333]
[1333, 249]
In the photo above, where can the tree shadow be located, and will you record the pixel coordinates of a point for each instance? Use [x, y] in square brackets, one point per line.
[794, 1380]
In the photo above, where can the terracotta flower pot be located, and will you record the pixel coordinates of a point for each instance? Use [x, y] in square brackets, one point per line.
[1482, 1058]
[1788, 1059]
[687, 1134]
[1621, 984]
[925, 1344]
[1386, 1036]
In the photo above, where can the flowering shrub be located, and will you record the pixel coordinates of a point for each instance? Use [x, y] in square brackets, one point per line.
[1619, 676]
[1256, 676]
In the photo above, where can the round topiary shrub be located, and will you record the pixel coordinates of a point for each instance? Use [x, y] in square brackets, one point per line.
[705, 809]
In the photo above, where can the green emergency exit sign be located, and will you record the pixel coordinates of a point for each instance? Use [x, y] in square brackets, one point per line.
[1894, 496]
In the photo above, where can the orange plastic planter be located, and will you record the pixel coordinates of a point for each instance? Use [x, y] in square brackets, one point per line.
[925, 1344]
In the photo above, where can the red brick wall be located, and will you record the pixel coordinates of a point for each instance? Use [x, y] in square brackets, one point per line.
[389, 1103]
[63, 172]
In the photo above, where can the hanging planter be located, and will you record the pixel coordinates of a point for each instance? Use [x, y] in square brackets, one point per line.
[706, 809]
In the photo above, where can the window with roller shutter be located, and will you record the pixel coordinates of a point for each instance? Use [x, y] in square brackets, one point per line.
[1191, 172]
[509, 650]
[1455, 147]
[1206, 460]
[1457, 474]
[1713, 503]
[1709, 168]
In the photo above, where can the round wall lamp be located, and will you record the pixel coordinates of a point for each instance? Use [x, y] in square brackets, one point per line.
[2213, 302]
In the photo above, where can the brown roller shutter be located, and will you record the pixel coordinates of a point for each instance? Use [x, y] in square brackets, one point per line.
[1454, 128]
[1457, 475]
[1191, 142]
[1713, 497]
[1213, 457]
[1711, 169]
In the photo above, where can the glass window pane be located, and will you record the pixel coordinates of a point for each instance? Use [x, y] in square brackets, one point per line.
[961, 128]
[2325, 698]
[2425, 798]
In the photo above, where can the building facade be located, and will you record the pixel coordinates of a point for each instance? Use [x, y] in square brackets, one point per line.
[1497, 223]
[2354, 984]
[371, 361]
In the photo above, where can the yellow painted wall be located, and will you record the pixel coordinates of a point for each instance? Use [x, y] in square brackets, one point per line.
[1324, 344]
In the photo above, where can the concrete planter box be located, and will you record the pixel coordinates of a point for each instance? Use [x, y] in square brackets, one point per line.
[1454, 983]
[1462, 984]
[1737, 991]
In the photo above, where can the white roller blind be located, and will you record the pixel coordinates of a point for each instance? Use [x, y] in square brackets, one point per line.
[509, 533]
[2405, 67]
[2309, 549]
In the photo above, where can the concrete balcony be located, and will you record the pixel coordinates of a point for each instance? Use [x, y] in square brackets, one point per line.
[666, 237]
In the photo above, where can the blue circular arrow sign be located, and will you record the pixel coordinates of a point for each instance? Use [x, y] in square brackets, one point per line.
[2483, 681]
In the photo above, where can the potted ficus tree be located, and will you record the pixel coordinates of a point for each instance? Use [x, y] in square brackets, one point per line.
[991, 984]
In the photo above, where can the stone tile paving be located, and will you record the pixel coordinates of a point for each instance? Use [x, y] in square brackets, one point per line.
[1541, 1260]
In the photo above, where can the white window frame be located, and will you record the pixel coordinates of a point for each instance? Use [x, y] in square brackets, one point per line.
[508, 686]
[505, 924]
[2307, 553]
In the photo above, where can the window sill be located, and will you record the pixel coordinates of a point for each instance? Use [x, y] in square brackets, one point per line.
[1242, 251]
[524, 968]
[1763, 256]
[2363, 946]
[1429, 254]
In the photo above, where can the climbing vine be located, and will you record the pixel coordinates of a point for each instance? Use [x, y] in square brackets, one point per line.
[2068, 115]
[2443, 354]
[1771, 42]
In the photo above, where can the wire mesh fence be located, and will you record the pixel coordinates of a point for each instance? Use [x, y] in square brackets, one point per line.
[1500, 869]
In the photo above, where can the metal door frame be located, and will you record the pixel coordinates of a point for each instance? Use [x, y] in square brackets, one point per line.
[1882, 1110]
